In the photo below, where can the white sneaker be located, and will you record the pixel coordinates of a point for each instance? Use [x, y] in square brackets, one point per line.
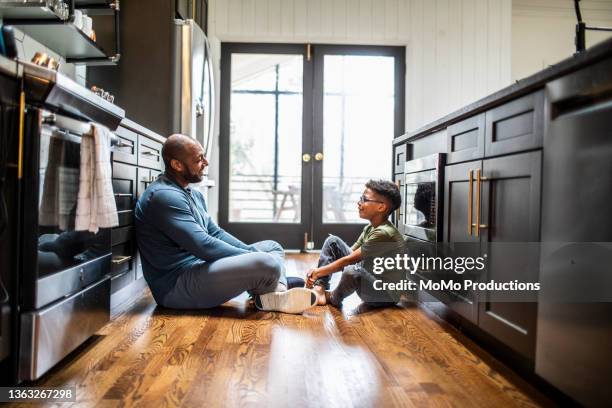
[295, 301]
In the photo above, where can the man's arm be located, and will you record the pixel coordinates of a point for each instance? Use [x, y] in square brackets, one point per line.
[171, 213]
[226, 237]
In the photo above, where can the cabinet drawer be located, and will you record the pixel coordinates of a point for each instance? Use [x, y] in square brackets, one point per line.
[399, 158]
[149, 153]
[516, 126]
[124, 185]
[145, 178]
[126, 217]
[126, 150]
[466, 139]
[121, 234]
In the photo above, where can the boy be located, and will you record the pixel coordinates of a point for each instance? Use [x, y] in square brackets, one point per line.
[380, 198]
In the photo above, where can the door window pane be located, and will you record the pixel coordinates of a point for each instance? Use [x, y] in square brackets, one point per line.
[265, 138]
[358, 123]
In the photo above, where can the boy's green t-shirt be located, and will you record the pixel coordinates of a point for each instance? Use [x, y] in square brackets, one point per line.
[385, 232]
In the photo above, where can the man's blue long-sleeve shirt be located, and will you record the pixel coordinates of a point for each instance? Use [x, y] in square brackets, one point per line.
[174, 232]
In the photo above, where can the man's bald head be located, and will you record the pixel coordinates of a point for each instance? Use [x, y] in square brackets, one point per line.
[177, 147]
[184, 159]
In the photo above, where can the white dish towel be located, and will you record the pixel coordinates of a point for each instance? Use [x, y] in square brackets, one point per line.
[96, 202]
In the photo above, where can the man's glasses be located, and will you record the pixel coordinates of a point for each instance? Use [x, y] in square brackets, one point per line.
[363, 199]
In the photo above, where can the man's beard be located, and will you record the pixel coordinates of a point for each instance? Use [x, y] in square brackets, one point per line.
[191, 177]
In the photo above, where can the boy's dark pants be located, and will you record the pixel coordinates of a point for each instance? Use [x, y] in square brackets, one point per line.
[355, 278]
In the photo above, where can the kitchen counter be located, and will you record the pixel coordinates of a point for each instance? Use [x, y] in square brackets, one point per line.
[520, 87]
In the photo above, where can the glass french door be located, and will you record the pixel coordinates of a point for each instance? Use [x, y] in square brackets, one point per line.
[302, 130]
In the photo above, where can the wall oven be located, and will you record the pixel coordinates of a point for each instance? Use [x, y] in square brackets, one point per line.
[60, 292]
[65, 293]
[424, 186]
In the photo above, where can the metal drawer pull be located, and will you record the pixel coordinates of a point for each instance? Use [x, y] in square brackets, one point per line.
[121, 143]
[150, 154]
[479, 180]
[470, 192]
[118, 260]
[123, 195]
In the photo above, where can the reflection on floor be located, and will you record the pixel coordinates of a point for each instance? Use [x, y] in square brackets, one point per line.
[236, 356]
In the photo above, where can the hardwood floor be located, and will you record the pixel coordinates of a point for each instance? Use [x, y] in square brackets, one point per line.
[236, 356]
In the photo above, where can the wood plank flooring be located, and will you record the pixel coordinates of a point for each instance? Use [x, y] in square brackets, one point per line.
[236, 356]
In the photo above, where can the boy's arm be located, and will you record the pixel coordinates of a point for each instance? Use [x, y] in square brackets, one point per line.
[335, 266]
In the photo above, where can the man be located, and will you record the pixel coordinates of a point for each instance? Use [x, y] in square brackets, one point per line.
[191, 263]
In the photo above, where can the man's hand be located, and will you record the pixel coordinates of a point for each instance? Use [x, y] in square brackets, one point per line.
[311, 277]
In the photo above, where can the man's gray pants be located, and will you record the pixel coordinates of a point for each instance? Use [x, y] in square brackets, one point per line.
[212, 283]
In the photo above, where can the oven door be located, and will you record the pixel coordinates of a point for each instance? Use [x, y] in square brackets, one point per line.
[57, 260]
[420, 202]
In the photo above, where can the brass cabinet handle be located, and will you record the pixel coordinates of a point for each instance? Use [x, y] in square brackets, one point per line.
[479, 180]
[470, 193]
[319, 156]
[306, 157]
[118, 260]
[123, 195]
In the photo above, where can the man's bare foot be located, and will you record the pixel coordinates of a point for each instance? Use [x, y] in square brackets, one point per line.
[321, 296]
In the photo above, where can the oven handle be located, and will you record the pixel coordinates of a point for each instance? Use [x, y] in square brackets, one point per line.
[73, 125]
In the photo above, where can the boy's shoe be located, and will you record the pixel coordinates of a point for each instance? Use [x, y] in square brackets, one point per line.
[295, 301]
[295, 282]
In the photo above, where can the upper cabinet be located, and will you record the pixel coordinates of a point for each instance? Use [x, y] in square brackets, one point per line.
[513, 127]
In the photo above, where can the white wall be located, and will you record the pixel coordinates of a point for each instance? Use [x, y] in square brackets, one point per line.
[543, 31]
[457, 51]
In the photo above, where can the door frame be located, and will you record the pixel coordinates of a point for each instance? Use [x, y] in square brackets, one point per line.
[348, 232]
[289, 234]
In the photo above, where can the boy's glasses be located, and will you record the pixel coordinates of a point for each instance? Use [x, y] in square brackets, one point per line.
[363, 199]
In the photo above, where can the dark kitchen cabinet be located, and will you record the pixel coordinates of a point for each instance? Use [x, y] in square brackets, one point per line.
[466, 139]
[505, 203]
[459, 214]
[136, 163]
[511, 212]
[515, 126]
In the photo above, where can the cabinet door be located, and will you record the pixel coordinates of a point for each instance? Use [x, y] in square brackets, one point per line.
[511, 211]
[516, 126]
[466, 139]
[457, 229]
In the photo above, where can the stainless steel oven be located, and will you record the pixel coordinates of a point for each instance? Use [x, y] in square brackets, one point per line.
[60, 288]
[65, 290]
[422, 201]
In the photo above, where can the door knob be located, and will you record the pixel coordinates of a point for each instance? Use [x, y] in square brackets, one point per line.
[319, 156]
[306, 157]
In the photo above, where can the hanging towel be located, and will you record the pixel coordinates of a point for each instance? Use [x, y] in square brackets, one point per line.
[96, 202]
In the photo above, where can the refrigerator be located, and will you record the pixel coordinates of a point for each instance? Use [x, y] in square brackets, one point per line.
[164, 79]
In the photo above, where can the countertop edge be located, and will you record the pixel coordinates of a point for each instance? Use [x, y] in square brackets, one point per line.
[523, 86]
[130, 124]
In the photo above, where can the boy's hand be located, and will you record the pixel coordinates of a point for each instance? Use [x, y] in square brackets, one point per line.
[311, 277]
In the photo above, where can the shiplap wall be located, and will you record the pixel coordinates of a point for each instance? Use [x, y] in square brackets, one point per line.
[543, 31]
[457, 50]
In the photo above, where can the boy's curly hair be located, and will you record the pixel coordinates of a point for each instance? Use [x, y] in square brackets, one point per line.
[387, 189]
